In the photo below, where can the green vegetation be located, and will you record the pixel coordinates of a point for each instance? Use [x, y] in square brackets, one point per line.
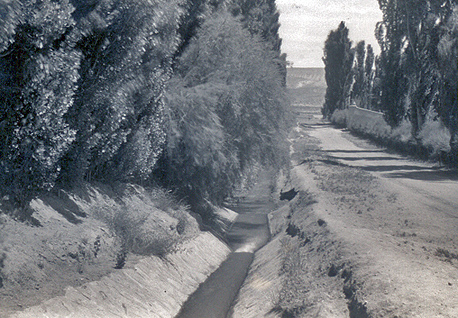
[226, 109]
[338, 61]
[415, 78]
[185, 94]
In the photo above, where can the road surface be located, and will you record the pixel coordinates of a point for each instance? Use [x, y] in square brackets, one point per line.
[427, 192]
[395, 217]
[389, 221]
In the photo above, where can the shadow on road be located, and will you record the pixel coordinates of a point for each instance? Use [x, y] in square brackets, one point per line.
[431, 175]
[364, 158]
[394, 168]
[355, 151]
[402, 171]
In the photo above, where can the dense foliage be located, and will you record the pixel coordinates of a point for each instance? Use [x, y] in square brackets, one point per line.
[363, 70]
[338, 61]
[418, 40]
[226, 109]
[415, 77]
[39, 74]
[118, 110]
[262, 18]
[104, 89]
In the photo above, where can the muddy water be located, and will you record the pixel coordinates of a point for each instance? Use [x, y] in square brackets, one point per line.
[250, 231]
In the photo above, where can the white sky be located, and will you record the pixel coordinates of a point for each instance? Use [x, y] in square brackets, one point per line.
[305, 24]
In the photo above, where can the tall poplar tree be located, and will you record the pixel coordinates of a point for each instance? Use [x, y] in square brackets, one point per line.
[358, 89]
[261, 18]
[39, 70]
[369, 77]
[338, 61]
[390, 35]
[448, 62]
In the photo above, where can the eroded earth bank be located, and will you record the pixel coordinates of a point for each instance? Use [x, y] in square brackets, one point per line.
[361, 232]
[368, 234]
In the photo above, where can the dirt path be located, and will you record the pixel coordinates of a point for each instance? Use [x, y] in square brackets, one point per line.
[370, 234]
[426, 194]
[250, 231]
[397, 220]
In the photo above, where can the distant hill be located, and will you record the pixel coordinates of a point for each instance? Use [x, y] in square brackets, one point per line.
[299, 77]
[306, 86]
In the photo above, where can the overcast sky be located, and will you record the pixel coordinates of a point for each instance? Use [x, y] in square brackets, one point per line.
[305, 25]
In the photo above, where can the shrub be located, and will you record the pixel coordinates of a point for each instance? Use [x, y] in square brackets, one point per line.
[140, 225]
[435, 136]
[226, 110]
[339, 118]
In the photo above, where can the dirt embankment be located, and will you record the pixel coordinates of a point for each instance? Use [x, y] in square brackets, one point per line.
[104, 252]
[352, 244]
[152, 287]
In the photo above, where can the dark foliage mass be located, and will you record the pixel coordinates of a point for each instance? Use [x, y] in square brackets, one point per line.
[338, 61]
[105, 89]
[415, 77]
[39, 73]
[262, 18]
[226, 110]
[418, 64]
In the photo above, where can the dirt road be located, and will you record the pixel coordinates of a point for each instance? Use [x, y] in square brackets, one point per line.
[397, 220]
[427, 195]
[370, 234]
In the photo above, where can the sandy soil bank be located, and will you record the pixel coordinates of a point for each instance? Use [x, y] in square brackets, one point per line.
[369, 234]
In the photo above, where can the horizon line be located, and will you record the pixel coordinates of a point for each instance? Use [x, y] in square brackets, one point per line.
[302, 66]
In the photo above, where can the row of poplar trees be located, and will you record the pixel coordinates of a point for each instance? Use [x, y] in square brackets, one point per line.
[184, 93]
[415, 75]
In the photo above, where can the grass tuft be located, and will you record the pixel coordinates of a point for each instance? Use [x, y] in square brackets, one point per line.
[147, 222]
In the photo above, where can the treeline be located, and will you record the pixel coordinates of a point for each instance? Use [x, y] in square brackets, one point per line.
[182, 93]
[414, 79]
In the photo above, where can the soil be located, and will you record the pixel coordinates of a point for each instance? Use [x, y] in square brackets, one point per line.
[369, 234]
[363, 233]
[78, 241]
[153, 287]
[248, 233]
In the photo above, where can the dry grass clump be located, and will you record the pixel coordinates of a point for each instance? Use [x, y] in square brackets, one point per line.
[293, 297]
[83, 236]
[147, 222]
[435, 137]
[339, 117]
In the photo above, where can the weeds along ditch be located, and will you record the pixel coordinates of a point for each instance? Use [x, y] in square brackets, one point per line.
[311, 263]
[85, 235]
[316, 273]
